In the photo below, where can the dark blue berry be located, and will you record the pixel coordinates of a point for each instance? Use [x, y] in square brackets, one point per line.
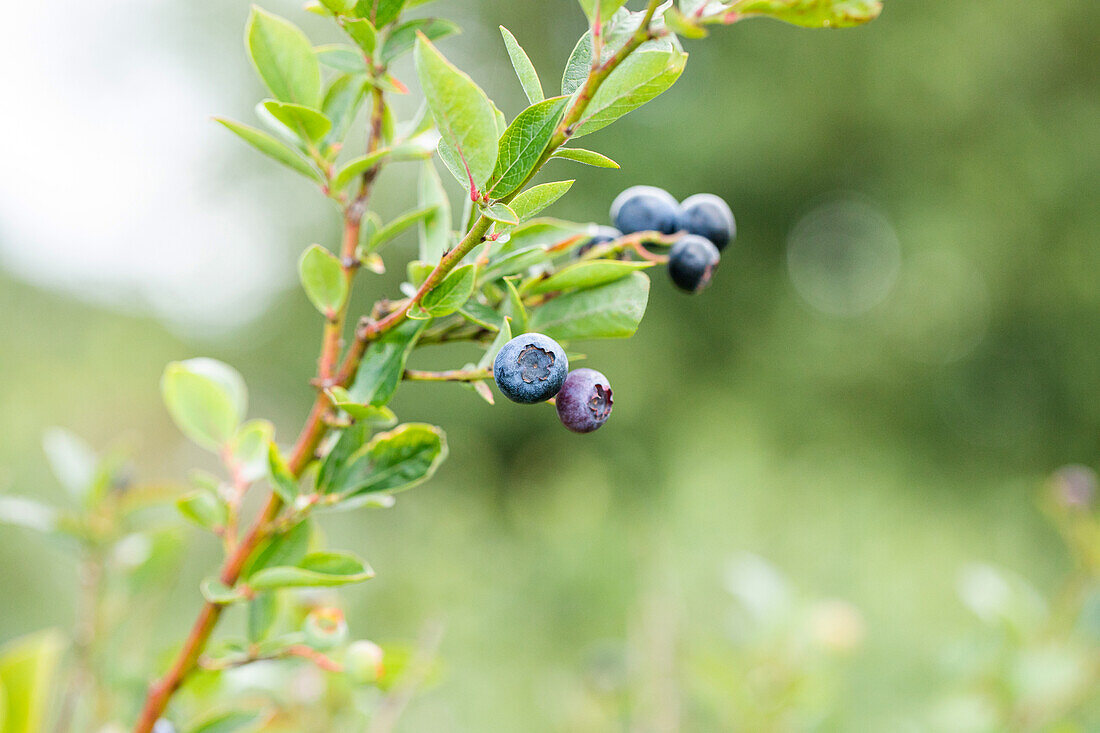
[584, 402]
[645, 209]
[691, 262]
[602, 235]
[530, 368]
[708, 216]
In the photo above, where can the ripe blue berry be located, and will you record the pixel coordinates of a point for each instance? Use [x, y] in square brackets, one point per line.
[530, 368]
[600, 236]
[645, 209]
[708, 216]
[584, 402]
[691, 262]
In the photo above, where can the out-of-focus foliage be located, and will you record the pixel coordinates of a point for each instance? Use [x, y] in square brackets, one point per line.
[870, 412]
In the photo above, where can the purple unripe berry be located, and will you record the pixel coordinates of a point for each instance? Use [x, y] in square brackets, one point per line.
[691, 262]
[530, 368]
[708, 216]
[645, 209]
[584, 402]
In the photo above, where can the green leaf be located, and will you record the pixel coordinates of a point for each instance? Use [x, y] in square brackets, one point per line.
[608, 311]
[72, 460]
[418, 272]
[482, 315]
[382, 12]
[588, 157]
[342, 101]
[272, 148]
[262, 612]
[342, 57]
[504, 335]
[215, 591]
[682, 25]
[227, 722]
[248, 450]
[362, 32]
[403, 37]
[393, 461]
[351, 439]
[384, 362]
[639, 78]
[400, 224]
[308, 124]
[450, 294]
[282, 480]
[525, 70]
[27, 668]
[519, 260]
[463, 114]
[522, 144]
[607, 7]
[315, 569]
[28, 513]
[339, 7]
[544, 231]
[413, 149]
[284, 58]
[323, 280]
[206, 398]
[537, 198]
[813, 13]
[514, 306]
[354, 168]
[501, 212]
[578, 65]
[435, 229]
[287, 548]
[203, 508]
[586, 275]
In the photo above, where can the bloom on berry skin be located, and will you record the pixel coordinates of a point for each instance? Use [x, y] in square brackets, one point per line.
[530, 368]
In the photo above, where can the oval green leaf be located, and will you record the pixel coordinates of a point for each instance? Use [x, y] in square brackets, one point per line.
[522, 144]
[316, 569]
[284, 59]
[608, 311]
[323, 279]
[463, 114]
[206, 398]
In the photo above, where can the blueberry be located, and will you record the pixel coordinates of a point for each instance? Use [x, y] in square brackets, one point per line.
[530, 368]
[645, 209]
[691, 262]
[584, 402]
[602, 235]
[708, 216]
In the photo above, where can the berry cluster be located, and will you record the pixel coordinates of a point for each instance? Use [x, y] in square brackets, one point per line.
[705, 220]
[533, 368]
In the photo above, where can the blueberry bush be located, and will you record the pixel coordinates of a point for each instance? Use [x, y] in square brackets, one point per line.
[493, 272]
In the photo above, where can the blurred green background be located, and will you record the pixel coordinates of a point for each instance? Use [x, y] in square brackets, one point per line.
[898, 348]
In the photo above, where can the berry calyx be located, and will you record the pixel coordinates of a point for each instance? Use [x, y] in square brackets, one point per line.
[585, 400]
[691, 262]
[530, 368]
